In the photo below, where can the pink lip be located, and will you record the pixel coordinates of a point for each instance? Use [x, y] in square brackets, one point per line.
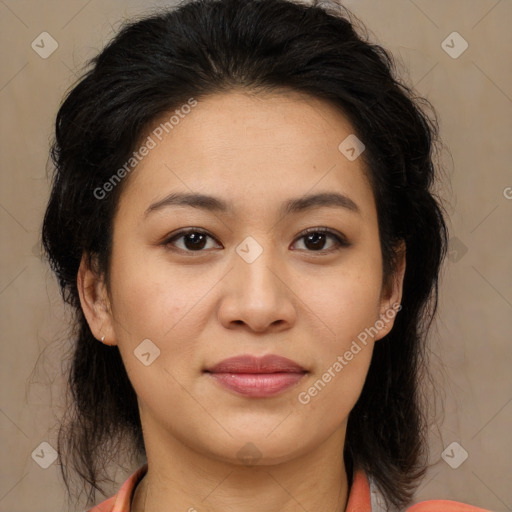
[257, 376]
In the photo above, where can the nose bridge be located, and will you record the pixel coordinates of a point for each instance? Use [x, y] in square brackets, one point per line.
[257, 264]
[258, 295]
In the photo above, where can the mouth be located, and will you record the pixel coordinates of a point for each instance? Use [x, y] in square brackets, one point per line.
[257, 377]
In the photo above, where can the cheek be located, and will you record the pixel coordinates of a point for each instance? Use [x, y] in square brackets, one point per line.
[154, 301]
[333, 393]
[152, 306]
[151, 297]
[348, 310]
[348, 300]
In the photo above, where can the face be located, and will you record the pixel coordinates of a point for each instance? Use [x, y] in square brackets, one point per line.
[247, 279]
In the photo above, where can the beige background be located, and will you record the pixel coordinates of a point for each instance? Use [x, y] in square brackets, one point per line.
[473, 95]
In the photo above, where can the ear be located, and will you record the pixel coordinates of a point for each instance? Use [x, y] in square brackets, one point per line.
[391, 295]
[95, 301]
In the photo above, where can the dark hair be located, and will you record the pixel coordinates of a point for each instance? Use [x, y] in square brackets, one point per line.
[204, 47]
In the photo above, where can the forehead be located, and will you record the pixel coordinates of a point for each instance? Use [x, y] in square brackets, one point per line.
[241, 146]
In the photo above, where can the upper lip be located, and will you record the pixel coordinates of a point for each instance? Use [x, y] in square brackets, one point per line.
[250, 364]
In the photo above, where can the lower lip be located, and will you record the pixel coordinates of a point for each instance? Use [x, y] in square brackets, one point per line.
[258, 385]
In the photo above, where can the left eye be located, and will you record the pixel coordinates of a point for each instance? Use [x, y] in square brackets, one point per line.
[314, 240]
[316, 237]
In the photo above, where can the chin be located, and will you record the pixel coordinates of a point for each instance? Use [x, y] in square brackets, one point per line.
[258, 450]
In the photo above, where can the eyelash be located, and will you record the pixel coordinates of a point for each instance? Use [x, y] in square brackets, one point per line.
[340, 240]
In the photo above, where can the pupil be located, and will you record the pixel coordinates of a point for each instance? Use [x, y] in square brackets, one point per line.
[197, 240]
[316, 237]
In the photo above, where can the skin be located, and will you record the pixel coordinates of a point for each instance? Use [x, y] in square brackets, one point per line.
[254, 151]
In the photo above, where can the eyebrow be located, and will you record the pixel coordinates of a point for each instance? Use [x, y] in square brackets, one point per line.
[289, 207]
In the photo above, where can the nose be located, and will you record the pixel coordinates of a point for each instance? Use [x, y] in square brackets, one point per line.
[257, 295]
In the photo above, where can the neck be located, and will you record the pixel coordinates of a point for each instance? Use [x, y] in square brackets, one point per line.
[189, 481]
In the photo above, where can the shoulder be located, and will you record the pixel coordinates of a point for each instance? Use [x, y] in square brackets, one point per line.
[444, 506]
[105, 506]
[121, 502]
[365, 485]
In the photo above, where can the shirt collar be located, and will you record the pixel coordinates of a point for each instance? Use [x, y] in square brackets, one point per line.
[358, 501]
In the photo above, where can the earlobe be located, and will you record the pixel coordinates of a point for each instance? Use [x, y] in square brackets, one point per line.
[94, 300]
[391, 296]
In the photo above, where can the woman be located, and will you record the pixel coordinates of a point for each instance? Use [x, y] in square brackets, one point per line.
[242, 216]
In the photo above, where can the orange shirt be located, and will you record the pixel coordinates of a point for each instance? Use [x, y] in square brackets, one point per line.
[358, 501]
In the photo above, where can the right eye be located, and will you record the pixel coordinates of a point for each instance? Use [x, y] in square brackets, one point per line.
[194, 240]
